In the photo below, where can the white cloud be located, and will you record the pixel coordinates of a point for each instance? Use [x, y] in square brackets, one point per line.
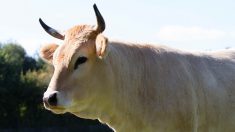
[182, 33]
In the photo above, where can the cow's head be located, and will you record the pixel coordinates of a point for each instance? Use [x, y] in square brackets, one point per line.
[78, 75]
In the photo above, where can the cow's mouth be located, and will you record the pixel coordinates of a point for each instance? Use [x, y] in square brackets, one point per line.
[55, 109]
[58, 111]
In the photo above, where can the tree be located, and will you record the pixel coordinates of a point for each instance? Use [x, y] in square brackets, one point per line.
[12, 57]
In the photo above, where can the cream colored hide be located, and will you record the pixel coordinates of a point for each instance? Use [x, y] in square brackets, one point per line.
[139, 88]
[143, 88]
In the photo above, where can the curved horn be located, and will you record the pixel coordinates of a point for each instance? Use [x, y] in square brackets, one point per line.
[100, 20]
[51, 31]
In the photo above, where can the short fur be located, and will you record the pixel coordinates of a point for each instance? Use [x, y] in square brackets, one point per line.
[144, 87]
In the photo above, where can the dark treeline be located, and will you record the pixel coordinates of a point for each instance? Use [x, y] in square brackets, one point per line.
[23, 80]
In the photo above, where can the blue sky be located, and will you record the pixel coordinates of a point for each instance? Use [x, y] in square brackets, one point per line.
[183, 24]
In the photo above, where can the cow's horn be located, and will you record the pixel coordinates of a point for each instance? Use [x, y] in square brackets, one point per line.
[51, 31]
[100, 20]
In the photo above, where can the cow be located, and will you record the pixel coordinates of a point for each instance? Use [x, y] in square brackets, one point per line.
[139, 88]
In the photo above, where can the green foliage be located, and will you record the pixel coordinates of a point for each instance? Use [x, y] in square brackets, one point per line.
[11, 57]
[23, 80]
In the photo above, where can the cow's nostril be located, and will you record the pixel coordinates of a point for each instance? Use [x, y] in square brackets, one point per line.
[52, 100]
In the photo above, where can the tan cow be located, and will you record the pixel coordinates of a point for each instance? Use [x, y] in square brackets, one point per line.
[139, 88]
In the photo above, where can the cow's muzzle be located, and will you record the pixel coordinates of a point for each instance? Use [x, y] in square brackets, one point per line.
[50, 100]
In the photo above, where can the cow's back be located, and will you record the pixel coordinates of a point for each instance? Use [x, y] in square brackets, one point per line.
[203, 86]
[204, 82]
[214, 75]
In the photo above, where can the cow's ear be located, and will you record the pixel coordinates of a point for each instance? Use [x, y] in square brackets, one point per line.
[47, 51]
[101, 46]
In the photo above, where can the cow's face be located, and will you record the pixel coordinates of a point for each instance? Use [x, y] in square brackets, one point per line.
[77, 67]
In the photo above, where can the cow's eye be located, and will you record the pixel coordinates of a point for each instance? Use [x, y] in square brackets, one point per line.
[79, 61]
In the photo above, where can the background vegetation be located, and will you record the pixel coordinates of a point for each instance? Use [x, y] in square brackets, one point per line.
[23, 80]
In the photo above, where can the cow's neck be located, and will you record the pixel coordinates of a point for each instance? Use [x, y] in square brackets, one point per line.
[122, 114]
